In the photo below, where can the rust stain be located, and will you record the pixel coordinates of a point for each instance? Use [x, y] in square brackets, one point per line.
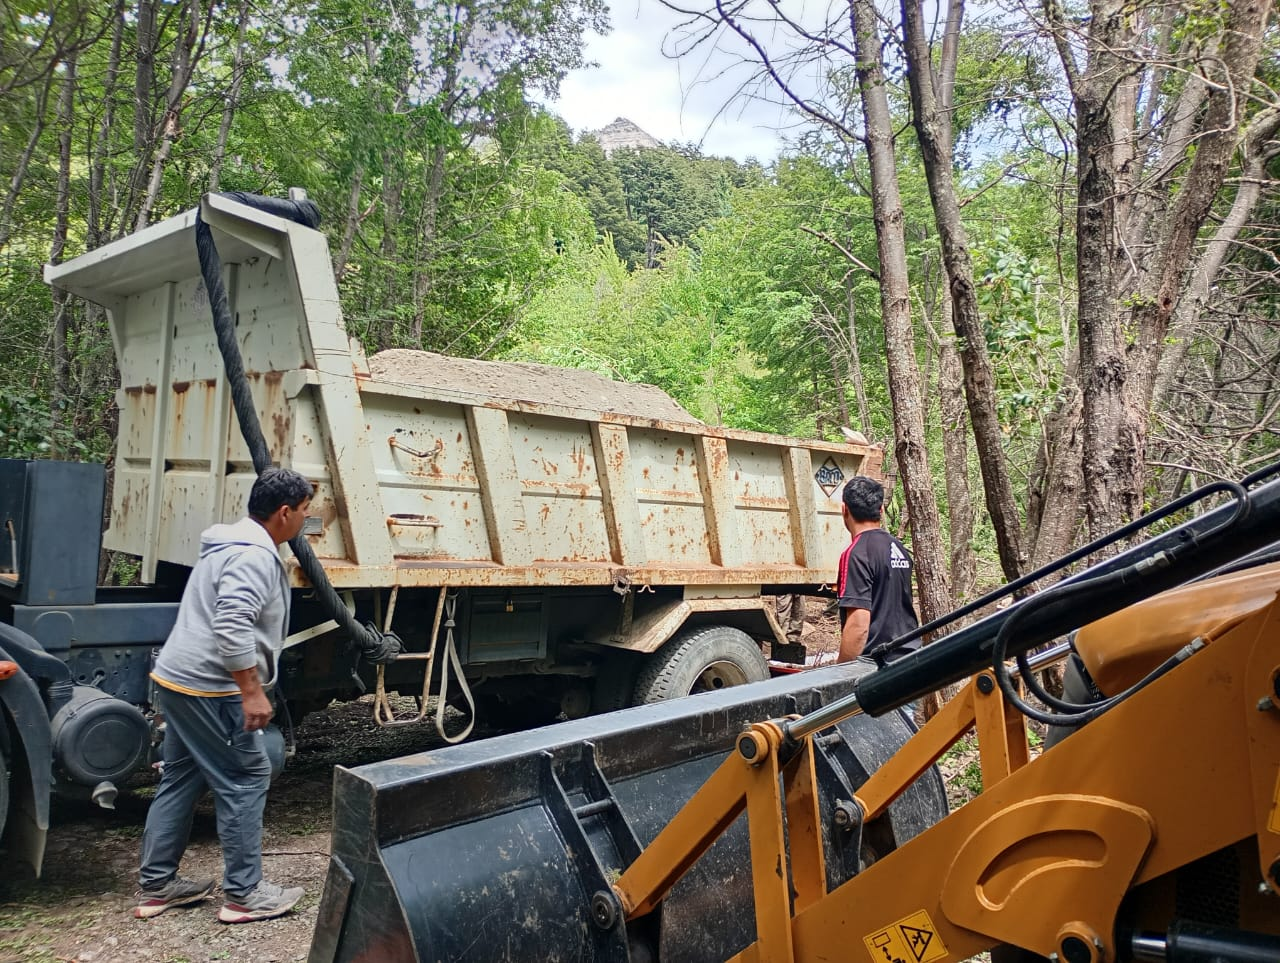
[280, 422]
[211, 382]
[644, 472]
[133, 391]
[273, 377]
[328, 513]
[181, 387]
[149, 389]
[180, 403]
[545, 512]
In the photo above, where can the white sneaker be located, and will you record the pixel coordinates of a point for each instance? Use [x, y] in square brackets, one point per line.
[177, 892]
[266, 901]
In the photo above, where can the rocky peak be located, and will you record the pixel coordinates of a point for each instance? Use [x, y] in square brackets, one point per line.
[623, 133]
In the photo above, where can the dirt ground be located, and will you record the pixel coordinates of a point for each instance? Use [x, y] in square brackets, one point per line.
[80, 910]
[81, 907]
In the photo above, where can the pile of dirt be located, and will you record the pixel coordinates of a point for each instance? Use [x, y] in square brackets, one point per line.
[526, 382]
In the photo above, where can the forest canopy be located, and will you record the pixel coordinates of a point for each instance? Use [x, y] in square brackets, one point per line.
[1031, 252]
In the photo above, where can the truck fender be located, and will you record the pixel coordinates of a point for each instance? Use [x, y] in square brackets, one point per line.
[650, 632]
[31, 775]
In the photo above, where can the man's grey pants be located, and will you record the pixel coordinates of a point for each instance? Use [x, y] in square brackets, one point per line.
[205, 746]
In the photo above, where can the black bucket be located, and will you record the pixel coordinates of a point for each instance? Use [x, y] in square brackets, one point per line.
[492, 850]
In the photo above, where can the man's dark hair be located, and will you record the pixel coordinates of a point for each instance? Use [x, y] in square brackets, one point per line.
[864, 497]
[276, 487]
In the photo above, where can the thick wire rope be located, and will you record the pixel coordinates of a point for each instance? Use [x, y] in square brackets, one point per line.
[374, 645]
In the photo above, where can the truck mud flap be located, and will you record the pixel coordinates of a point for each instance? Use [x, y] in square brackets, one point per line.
[493, 850]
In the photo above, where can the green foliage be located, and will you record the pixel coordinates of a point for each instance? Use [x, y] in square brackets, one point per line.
[962, 770]
[464, 219]
[28, 430]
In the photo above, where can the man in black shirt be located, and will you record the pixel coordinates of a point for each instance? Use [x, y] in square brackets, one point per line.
[875, 580]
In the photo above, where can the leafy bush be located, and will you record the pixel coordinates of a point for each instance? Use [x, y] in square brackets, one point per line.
[27, 429]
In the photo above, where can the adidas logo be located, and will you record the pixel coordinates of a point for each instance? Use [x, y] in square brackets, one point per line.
[896, 558]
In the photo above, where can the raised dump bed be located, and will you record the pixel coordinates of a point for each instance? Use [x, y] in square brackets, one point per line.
[568, 518]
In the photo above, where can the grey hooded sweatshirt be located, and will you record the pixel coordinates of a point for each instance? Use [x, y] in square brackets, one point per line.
[234, 613]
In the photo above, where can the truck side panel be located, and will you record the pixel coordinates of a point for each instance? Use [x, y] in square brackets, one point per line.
[426, 481]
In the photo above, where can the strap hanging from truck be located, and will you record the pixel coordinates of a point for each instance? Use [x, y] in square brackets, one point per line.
[374, 645]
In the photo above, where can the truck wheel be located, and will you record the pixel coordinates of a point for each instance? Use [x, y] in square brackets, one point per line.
[701, 660]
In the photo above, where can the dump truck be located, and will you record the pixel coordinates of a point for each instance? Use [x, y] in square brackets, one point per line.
[803, 819]
[538, 541]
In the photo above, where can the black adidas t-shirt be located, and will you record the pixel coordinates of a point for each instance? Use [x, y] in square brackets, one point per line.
[875, 574]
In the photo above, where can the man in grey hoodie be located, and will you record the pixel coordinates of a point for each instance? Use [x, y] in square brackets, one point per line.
[213, 682]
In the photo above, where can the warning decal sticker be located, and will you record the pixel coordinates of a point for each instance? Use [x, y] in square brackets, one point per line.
[829, 477]
[912, 939]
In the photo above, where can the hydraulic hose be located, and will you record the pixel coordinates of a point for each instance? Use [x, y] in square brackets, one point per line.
[374, 645]
[1201, 545]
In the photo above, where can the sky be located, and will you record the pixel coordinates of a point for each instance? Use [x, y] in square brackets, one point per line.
[671, 99]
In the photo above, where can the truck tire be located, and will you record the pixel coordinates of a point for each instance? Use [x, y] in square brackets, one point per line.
[701, 660]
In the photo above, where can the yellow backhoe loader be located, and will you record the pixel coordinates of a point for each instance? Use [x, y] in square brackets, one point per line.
[803, 819]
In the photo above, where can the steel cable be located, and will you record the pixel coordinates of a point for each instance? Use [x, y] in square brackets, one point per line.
[374, 645]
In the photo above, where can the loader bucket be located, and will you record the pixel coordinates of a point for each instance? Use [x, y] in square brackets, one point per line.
[493, 850]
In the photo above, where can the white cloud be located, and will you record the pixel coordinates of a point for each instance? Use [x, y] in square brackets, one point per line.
[687, 99]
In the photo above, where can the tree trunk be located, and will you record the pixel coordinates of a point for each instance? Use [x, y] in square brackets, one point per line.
[910, 447]
[423, 274]
[1257, 154]
[183, 64]
[955, 455]
[933, 129]
[1214, 148]
[1148, 272]
[232, 101]
[59, 404]
[855, 368]
[146, 36]
[1103, 369]
[843, 415]
[24, 161]
[393, 178]
[98, 230]
[1055, 529]
[343, 258]
[144, 74]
